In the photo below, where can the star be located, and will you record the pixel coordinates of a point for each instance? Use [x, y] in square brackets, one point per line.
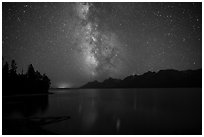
[94, 41]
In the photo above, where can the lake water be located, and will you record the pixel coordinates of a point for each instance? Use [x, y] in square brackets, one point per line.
[114, 111]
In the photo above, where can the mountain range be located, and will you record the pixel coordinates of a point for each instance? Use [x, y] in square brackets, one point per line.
[162, 79]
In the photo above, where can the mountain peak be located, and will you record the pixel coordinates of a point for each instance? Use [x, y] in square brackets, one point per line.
[163, 78]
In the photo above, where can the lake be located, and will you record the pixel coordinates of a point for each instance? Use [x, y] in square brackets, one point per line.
[106, 111]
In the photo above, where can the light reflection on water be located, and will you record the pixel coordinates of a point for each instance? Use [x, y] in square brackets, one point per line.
[122, 111]
[126, 111]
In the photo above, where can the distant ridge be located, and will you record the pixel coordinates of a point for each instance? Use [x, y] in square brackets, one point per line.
[162, 79]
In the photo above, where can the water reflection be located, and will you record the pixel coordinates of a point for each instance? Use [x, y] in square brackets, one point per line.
[129, 111]
[24, 106]
[113, 111]
[89, 114]
[118, 124]
[17, 113]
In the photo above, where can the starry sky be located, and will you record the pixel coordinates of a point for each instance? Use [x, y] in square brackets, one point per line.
[74, 43]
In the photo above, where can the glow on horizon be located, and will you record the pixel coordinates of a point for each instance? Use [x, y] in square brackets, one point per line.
[64, 85]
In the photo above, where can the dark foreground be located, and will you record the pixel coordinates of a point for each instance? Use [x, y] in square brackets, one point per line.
[166, 111]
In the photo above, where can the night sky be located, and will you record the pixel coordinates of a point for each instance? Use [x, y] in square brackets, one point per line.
[74, 43]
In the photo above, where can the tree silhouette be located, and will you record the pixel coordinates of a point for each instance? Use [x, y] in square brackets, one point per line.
[5, 70]
[31, 82]
[31, 72]
[13, 69]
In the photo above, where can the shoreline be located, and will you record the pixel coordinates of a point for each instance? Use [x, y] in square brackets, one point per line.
[20, 95]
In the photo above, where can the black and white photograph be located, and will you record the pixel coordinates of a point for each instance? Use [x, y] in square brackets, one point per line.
[101, 68]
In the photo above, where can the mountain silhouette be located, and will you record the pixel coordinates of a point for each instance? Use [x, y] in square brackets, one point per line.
[162, 79]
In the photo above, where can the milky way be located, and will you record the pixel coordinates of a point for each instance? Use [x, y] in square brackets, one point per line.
[74, 43]
[100, 48]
